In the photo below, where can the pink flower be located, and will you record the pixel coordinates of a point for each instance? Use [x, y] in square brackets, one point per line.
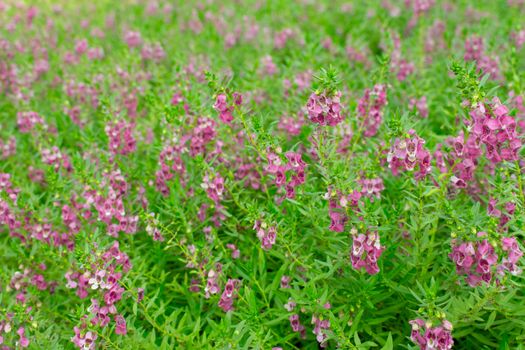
[296, 325]
[226, 301]
[519, 38]
[133, 39]
[401, 67]
[409, 154]
[285, 281]
[81, 46]
[26, 121]
[475, 51]
[420, 105]
[288, 175]
[282, 37]
[267, 235]
[427, 337]
[140, 294]
[225, 111]
[120, 325]
[212, 284]
[269, 67]
[510, 261]
[366, 250]
[337, 223]
[372, 188]
[121, 139]
[477, 261]
[214, 187]
[24, 342]
[235, 252]
[320, 327]
[369, 109]
[84, 341]
[325, 110]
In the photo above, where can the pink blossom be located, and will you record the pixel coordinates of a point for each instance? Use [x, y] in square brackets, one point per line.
[325, 110]
[409, 154]
[369, 110]
[366, 250]
[228, 295]
[427, 337]
[133, 39]
[120, 325]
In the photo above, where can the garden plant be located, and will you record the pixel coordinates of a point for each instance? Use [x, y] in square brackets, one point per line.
[262, 174]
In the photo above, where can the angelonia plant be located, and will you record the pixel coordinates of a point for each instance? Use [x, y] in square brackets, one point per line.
[262, 174]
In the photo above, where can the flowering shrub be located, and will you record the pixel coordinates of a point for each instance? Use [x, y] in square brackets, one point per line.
[262, 174]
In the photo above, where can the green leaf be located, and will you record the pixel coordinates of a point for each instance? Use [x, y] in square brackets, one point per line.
[491, 319]
[389, 344]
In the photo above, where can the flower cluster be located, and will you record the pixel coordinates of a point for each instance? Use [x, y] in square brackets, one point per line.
[212, 282]
[214, 186]
[408, 154]
[337, 203]
[493, 126]
[479, 260]
[434, 40]
[301, 82]
[11, 193]
[519, 38]
[153, 52]
[320, 327]
[171, 164]
[103, 276]
[224, 108]
[505, 216]
[124, 137]
[432, 338]
[121, 140]
[462, 159]
[133, 38]
[295, 322]
[366, 250]
[324, 108]
[267, 235]
[319, 330]
[53, 156]
[250, 175]
[203, 133]
[287, 175]
[337, 221]
[475, 51]
[509, 263]
[420, 105]
[398, 65]
[111, 209]
[372, 188]
[26, 121]
[292, 125]
[25, 285]
[268, 66]
[236, 253]
[282, 37]
[228, 294]
[85, 340]
[370, 109]
[152, 227]
[7, 148]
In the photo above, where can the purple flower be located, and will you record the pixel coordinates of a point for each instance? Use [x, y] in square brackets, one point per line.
[120, 325]
[366, 250]
[325, 110]
[428, 337]
[226, 301]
